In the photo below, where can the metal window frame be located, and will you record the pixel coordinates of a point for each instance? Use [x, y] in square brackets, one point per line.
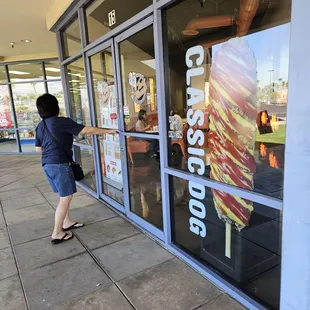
[92, 48]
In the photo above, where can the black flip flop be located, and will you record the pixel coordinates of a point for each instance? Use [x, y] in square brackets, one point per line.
[56, 241]
[73, 226]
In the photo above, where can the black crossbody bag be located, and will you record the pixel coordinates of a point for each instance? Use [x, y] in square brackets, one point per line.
[76, 168]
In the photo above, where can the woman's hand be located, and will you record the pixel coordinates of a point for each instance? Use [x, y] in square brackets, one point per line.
[111, 131]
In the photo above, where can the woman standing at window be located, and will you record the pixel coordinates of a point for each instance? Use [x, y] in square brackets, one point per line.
[55, 159]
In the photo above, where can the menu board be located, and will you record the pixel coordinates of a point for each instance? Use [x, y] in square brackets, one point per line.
[107, 104]
[112, 158]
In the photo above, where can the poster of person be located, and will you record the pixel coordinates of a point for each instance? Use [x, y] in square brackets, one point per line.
[138, 87]
[5, 110]
[107, 104]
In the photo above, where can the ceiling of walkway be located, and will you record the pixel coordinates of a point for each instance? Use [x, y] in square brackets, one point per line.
[21, 20]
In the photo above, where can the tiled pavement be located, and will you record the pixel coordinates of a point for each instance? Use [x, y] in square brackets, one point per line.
[109, 265]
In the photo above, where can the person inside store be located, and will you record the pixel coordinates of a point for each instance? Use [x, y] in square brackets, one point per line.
[54, 140]
[143, 126]
[142, 123]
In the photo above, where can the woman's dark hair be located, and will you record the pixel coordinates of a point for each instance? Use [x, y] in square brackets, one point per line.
[47, 106]
[141, 113]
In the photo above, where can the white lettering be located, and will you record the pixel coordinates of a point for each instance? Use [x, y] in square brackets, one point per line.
[197, 227]
[195, 50]
[195, 164]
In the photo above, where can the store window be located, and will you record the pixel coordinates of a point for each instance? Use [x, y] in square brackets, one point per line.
[2, 74]
[25, 96]
[24, 72]
[228, 82]
[107, 116]
[27, 140]
[85, 158]
[139, 82]
[8, 142]
[6, 113]
[79, 97]
[55, 89]
[227, 69]
[244, 246]
[52, 70]
[105, 15]
[71, 38]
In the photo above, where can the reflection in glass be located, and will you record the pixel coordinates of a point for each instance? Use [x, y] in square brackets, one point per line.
[105, 15]
[241, 103]
[72, 38]
[255, 251]
[55, 88]
[86, 159]
[144, 180]
[106, 103]
[6, 113]
[139, 83]
[27, 140]
[52, 70]
[2, 74]
[25, 96]
[8, 141]
[111, 167]
[26, 72]
[106, 107]
[79, 96]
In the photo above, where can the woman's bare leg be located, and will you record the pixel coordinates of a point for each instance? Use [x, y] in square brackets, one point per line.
[60, 214]
[68, 221]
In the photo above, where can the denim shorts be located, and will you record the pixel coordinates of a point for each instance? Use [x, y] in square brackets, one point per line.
[61, 179]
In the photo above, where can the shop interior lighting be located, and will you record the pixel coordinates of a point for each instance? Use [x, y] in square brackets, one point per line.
[26, 41]
[150, 63]
[18, 72]
[52, 69]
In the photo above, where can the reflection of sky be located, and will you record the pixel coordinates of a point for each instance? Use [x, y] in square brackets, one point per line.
[271, 49]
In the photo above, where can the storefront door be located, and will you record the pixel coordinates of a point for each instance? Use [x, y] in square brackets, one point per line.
[124, 95]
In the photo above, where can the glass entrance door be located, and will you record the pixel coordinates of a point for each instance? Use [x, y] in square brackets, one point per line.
[107, 111]
[124, 90]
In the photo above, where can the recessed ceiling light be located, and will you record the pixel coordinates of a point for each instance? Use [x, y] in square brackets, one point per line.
[26, 41]
[18, 72]
[52, 69]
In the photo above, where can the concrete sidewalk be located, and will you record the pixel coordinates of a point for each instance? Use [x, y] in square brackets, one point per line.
[109, 264]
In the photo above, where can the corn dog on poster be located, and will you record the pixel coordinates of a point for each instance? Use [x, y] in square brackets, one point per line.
[233, 112]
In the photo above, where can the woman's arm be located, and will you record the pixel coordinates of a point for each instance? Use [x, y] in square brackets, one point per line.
[97, 131]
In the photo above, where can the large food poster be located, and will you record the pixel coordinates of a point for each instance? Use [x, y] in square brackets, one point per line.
[5, 111]
[108, 104]
[112, 158]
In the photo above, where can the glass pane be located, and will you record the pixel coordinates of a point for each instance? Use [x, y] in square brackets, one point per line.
[86, 159]
[27, 140]
[8, 141]
[228, 91]
[25, 96]
[106, 104]
[2, 74]
[79, 97]
[55, 88]
[111, 167]
[105, 15]
[239, 239]
[139, 83]
[52, 70]
[26, 72]
[72, 39]
[144, 180]
[6, 113]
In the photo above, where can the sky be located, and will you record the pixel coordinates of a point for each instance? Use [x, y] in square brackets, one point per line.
[271, 49]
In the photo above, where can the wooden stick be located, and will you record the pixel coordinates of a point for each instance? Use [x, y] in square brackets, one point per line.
[228, 240]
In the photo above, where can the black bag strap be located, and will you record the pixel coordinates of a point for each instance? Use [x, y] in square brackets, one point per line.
[57, 142]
